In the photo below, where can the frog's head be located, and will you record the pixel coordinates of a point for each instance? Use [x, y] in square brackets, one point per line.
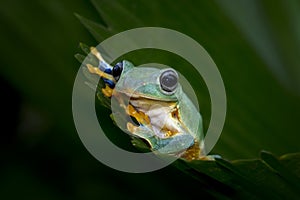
[147, 82]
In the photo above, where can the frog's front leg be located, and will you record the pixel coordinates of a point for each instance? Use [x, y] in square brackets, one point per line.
[174, 144]
[171, 145]
[107, 91]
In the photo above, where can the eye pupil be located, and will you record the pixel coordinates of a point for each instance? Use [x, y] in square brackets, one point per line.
[169, 80]
[117, 70]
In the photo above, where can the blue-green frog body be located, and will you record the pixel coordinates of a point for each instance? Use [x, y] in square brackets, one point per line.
[166, 118]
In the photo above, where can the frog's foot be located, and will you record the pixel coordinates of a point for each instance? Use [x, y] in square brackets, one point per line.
[95, 70]
[107, 91]
[140, 131]
[139, 116]
[96, 53]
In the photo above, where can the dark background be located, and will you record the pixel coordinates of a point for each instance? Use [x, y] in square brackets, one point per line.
[255, 44]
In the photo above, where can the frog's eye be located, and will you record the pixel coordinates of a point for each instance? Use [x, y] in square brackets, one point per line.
[117, 70]
[169, 80]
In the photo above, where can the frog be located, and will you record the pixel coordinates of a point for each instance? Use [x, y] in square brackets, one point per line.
[165, 118]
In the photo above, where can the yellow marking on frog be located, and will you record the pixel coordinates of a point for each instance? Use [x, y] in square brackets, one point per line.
[96, 53]
[107, 91]
[193, 153]
[139, 116]
[131, 128]
[167, 132]
[96, 70]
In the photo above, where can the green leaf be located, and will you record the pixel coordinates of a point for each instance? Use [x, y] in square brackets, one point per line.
[266, 177]
[255, 45]
[97, 30]
[79, 57]
[257, 100]
[85, 48]
[275, 164]
[112, 12]
[245, 178]
[291, 161]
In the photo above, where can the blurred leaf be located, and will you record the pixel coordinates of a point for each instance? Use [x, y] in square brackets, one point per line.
[85, 48]
[80, 57]
[256, 99]
[290, 161]
[39, 39]
[263, 27]
[266, 177]
[94, 28]
[247, 178]
[113, 11]
[274, 163]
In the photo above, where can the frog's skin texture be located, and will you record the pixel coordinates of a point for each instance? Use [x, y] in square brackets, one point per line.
[167, 120]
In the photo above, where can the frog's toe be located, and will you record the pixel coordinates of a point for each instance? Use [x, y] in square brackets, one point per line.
[210, 157]
[131, 128]
[216, 156]
[96, 53]
[107, 91]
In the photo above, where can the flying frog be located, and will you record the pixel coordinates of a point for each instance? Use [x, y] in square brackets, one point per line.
[165, 118]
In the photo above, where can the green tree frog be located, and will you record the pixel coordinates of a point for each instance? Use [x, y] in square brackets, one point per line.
[165, 117]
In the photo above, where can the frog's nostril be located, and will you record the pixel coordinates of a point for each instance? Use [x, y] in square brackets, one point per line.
[169, 80]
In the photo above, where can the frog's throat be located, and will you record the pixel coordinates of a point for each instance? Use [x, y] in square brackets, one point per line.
[163, 116]
[154, 119]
